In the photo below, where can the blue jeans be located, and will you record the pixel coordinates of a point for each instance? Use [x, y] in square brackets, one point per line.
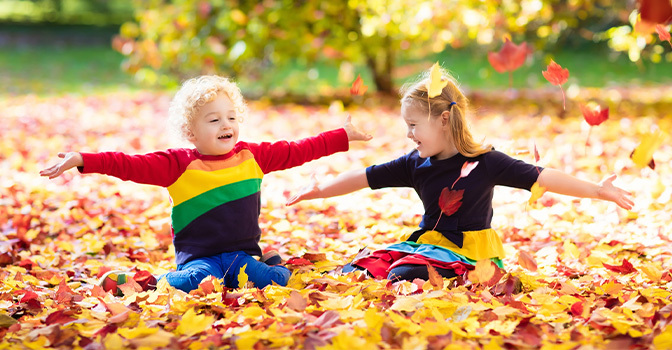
[227, 266]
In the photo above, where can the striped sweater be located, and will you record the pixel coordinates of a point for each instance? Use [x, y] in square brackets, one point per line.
[215, 199]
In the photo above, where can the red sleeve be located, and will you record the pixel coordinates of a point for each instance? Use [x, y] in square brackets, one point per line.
[287, 154]
[158, 168]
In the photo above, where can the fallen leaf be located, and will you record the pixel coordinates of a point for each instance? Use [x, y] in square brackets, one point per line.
[296, 301]
[625, 267]
[435, 278]
[483, 272]
[192, 323]
[242, 277]
[527, 261]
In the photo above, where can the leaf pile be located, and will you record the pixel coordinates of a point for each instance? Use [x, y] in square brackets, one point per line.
[593, 276]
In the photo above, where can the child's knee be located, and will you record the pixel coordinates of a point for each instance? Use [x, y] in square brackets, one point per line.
[186, 280]
[275, 274]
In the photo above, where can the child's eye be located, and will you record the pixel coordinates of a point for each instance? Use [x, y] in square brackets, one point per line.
[214, 120]
[232, 118]
[411, 125]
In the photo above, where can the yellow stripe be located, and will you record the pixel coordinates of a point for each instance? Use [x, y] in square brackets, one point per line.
[194, 182]
[477, 245]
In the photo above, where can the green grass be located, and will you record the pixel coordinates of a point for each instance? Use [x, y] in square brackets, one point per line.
[47, 69]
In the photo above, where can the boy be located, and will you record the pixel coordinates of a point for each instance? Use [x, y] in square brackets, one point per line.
[215, 187]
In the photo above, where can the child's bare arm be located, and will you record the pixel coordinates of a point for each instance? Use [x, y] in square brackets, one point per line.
[70, 160]
[344, 183]
[562, 183]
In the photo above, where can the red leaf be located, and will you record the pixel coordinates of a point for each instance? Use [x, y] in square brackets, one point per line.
[358, 87]
[30, 295]
[467, 167]
[536, 154]
[510, 57]
[60, 317]
[298, 261]
[625, 267]
[595, 115]
[527, 261]
[450, 201]
[145, 279]
[577, 309]
[556, 75]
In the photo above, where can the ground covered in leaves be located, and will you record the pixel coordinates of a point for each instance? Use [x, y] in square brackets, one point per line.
[594, 276]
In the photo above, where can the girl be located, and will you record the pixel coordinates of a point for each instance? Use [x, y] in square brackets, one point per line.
[451, 244]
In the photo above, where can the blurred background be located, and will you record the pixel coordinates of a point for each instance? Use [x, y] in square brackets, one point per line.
[313, 50]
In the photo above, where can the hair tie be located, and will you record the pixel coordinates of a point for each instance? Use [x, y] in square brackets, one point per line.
[452, 103]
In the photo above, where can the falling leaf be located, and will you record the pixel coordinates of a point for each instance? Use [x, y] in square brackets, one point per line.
[242, 277]
[536, 154]
[483, 272]
[467, 167]
[643, 154]
[536, 192]
[435, 84]
[556, 75]
[594, 114]
[450, 201]
[625, 267]
[509, 58]
[358, 87]
[527, 261]
[663, 34]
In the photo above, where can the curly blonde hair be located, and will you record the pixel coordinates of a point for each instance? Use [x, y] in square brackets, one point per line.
[195, 93]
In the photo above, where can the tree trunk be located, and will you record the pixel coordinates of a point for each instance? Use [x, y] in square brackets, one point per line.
[381, 65]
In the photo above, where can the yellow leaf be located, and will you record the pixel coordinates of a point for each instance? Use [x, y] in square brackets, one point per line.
[435, 84]
[571, 251]
[157, 340]
[652, 272]
[192, 323]
[242, 277]
[537, 191]
[40, 343]
[644, 152]
[114, 342]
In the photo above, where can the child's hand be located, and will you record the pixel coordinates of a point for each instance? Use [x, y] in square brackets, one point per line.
[608, 191]
[353, 133]
[308, 192]
[70, 160]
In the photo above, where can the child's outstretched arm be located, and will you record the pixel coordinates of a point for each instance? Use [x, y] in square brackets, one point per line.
[70, 160]
[562, 183]
[346, 182]
[353, 133]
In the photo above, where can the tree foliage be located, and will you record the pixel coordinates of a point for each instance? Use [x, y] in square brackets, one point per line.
[186, 37]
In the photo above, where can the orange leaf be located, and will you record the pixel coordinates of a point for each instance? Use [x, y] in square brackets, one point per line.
[527, 261]
[296, 301]
[510, 57]
[358, 87]
[450, 201]
[663, 34]
[130, 287]
[594, 115]
[483, 272]
[435, 278]
[556, 75]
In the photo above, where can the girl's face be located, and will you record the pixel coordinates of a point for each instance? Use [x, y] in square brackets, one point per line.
[430, 135]
[214, 130]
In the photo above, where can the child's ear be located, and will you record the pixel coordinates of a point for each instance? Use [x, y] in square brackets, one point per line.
[445, 118]
[190, 135]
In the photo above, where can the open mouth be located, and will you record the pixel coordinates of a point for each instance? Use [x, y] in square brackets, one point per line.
[225, 137]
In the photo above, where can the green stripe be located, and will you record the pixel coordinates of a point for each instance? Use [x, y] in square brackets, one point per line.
[189, 210]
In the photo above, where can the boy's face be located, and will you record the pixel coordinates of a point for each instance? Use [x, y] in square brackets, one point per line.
[214, 130]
